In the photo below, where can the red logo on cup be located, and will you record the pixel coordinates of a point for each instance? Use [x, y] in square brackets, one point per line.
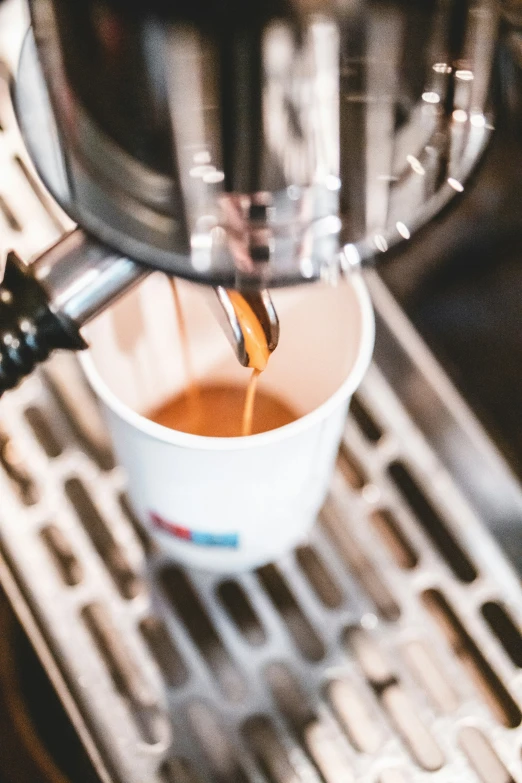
[170, 527]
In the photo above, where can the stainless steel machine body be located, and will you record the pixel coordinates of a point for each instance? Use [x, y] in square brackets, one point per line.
[247, 145]
[386, 649]
[240, 146]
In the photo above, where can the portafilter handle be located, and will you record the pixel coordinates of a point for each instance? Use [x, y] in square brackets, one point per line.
[43, 306]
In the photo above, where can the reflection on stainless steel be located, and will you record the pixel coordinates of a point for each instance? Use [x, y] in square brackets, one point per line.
[81, 277]
[13, 465]
[208, 140]
[261, 304]
[301, 100]
[445, 420]
[241, 147]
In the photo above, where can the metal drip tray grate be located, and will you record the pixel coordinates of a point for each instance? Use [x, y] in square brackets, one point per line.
[385, 649]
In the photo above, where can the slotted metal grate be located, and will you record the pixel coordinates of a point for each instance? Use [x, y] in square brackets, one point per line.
[386, 649]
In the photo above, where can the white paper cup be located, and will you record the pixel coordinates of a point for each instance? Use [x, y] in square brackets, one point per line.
[227, 504]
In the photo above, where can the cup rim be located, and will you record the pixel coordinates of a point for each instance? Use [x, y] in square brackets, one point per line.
[204, 442]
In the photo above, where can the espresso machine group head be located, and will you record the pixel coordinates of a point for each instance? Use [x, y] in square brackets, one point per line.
[241, 145]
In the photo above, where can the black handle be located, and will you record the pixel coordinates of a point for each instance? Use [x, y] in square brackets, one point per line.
[29, 330]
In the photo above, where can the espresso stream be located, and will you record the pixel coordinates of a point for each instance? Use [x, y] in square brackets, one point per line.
[221, 410]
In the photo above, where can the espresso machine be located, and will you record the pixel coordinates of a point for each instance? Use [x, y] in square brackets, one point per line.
[238, 147]
[248, 146]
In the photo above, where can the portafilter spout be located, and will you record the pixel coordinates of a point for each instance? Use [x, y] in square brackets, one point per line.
[228, 312]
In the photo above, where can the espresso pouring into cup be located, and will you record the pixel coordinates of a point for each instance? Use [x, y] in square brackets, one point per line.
[245, 146]
[240, 145]
[229, 503]
[213, 410]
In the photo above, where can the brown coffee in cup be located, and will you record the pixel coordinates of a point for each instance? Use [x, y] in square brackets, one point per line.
[223, 410]
[218, 412]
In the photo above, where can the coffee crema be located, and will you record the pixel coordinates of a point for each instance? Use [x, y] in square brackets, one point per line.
[219, 412]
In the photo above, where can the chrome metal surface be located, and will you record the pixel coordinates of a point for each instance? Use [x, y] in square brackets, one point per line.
[257, 141]
[82, 277]
[386, 649]
[387, 645]
[261, 304]
[448, 424]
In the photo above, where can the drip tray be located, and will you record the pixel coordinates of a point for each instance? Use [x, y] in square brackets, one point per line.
[386, 648]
